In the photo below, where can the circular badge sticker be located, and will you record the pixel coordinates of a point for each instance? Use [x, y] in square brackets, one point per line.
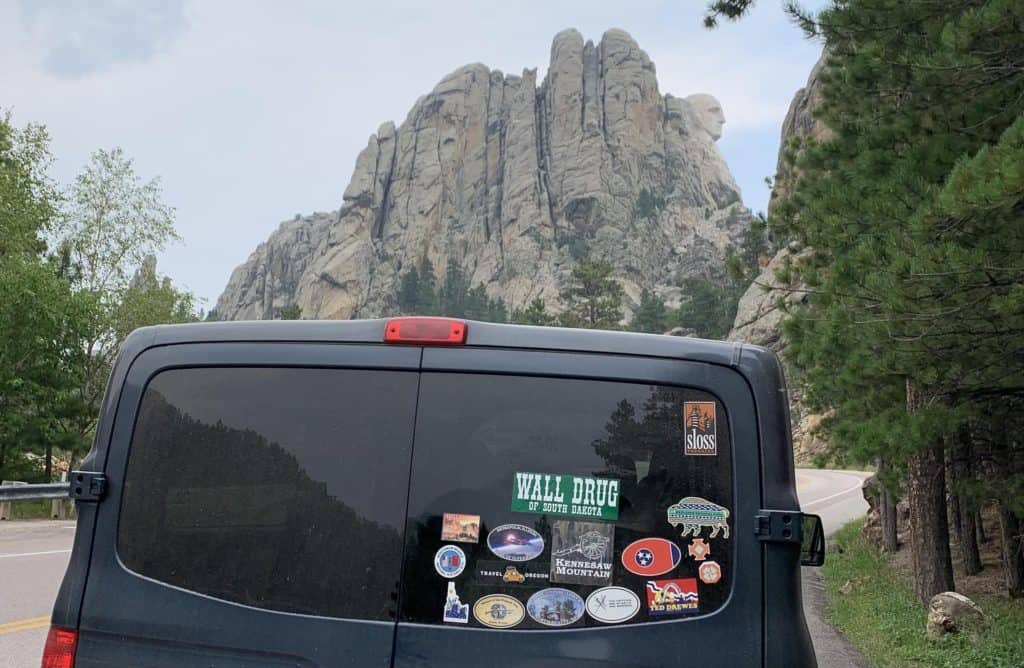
[498, 611]
[612, 605]
[515, 542]
[710, 572]
[450, 561]
[555, 607]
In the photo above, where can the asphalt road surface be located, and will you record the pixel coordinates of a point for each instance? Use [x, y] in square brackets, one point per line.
[33, 556]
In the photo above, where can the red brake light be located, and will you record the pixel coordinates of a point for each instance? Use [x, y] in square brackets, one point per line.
[60, 648]
[419, 330]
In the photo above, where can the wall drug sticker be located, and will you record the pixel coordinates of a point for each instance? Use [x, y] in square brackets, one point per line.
[613, 605]
[460, 528]
[499, 611]
[555, 607]
[455, 610]
[450, 561]
[557, 494]
[698, 549]
[710, 572]
[695, 513]
[651, 556]
[581, 552]
[672, 597]
[700, 436]
[515, 542]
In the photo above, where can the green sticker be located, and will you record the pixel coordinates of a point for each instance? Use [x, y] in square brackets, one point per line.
[575, 496]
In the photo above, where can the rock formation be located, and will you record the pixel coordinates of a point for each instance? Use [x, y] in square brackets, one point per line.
[514, 181]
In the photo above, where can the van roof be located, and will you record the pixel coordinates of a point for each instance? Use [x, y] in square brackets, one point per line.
[479, 335]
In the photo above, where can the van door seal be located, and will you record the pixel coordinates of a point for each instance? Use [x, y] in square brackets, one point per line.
[779, 526]
[87, 486]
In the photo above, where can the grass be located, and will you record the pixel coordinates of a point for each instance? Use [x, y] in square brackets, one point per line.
[883, 619]
[31, 510]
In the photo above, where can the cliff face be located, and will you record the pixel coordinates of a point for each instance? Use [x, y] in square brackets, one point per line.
[514, 181]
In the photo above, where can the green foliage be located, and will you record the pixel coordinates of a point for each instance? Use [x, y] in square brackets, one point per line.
[882, 617]
[593, 298]
[651, 315]
[418, 294]
[648, 205]
[535, 313]
[732, 10]
[290, 312]
[710, 307]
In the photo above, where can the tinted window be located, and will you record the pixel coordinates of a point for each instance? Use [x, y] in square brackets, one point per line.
[276, 488]
[477, 437]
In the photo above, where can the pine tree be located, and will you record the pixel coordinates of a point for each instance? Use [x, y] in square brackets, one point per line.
[593, 298]
[409, 291]
[535, 313]
[651, 314]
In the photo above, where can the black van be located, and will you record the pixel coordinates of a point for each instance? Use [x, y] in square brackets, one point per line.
[435, 492]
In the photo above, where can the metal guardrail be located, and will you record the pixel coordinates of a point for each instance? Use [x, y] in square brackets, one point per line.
[53, 490]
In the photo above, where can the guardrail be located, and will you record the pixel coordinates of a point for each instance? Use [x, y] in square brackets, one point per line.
[52, 490]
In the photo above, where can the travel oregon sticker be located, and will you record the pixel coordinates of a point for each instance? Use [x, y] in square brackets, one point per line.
[581, 552]
[699, 417]
[695, 513]
[499, 572]
[556, 494]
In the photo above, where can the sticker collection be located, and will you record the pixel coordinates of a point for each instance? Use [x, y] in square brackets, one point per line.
[581, 550]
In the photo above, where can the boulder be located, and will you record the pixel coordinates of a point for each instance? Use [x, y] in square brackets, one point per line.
[950, 612]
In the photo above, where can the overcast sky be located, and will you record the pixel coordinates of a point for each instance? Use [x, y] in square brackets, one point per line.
[251, 112]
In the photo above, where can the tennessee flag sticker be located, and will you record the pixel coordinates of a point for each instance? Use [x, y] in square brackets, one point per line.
[700, 423]
[651, 556]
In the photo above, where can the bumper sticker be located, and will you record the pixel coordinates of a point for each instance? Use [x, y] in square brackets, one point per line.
[612, 605]
[555, 607]
[695, 513]
[672, 597]
[455, 610]
[699, 417]
[699, 550]
[450, 561]
[460, 528]
[500, 572]
[498, 611]
[651, 556]
[515, 542]
[575, 496]
[581, 552]
[710, 572]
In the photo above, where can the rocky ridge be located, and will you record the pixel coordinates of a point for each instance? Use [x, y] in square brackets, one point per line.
[514, 181]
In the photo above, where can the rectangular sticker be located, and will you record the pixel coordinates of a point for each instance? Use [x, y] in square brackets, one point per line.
[556, 494]
[672, 597]
[700, 424]
[581, 552]
[504, 573]
[460, 528]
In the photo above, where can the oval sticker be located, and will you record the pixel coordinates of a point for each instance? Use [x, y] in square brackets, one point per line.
[555, 607]
[450, 561]
[515, 542]
[498, 611]
[651, 556]
[612, 605]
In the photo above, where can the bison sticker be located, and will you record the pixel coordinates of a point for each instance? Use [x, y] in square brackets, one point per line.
[695, 513]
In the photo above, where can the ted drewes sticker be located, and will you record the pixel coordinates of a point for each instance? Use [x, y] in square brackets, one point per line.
[672, 597]
[577, 496]
[699, 417]
[460, 528]
[555, 607]
[695, 513]
[498, 611]
[515, 542]
[499, 572]
[581, 552]
[612, 605]
[454, 609]
[450, 561]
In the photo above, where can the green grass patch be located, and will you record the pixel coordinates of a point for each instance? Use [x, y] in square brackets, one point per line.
[883, 619]
[31, 510]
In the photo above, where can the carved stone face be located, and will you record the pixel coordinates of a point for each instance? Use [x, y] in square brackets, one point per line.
[708, 114]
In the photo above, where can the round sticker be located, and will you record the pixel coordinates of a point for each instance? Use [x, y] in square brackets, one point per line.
[612, 605]
[651, 556]
[498, 611]
[555, 607]
[515, 542]
[710, 572]
[450, 561]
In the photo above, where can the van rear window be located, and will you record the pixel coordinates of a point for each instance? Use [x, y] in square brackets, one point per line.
[545, 503]
[276, 488]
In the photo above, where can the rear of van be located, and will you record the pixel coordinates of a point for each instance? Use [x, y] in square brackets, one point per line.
[434, 492]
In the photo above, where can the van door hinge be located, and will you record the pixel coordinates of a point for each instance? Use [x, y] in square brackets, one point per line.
[87, 485]
[778, 526]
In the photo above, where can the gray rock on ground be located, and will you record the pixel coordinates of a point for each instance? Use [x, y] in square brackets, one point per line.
[950, 612]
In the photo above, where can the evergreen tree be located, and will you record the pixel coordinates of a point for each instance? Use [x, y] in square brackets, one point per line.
[290, 312]
[454, 291]
[426, 293]
[593, 298]
[535, 313]
[651, 315]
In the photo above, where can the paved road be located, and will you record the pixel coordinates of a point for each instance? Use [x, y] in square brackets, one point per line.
[33, 556]
[837, 497]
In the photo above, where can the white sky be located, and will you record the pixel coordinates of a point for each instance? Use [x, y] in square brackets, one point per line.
[251, 112]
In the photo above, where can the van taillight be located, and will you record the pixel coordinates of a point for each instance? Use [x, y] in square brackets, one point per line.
[60, 648]
[425, 331]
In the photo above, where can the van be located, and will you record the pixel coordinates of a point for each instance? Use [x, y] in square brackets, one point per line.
[435, 492]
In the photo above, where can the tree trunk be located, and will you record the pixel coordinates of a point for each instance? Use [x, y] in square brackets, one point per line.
[929, 529]
[982, 538]
[887, 511]
[965, 511]
[1011, 529]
